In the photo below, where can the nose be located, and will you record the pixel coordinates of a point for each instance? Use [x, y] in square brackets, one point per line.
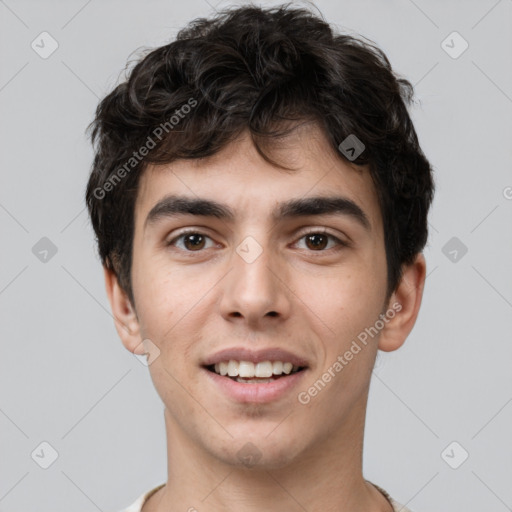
[255, 290]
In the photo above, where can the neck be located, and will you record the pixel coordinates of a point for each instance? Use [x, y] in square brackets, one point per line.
[327, 476]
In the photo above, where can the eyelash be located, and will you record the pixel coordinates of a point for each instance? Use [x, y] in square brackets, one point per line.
[340, 243]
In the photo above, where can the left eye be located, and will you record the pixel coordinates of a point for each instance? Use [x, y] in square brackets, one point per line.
[318, 241]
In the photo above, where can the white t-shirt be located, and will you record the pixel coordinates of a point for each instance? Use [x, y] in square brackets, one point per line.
[136, 506]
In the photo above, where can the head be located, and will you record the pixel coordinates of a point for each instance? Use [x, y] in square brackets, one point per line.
[233, 132]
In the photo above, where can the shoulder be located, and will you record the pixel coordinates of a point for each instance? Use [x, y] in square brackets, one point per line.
[397, 507]
[136, 506]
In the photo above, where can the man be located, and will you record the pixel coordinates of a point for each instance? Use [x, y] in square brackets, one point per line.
[260, 202]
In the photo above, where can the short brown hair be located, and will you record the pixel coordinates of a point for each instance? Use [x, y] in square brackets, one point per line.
[261, 70]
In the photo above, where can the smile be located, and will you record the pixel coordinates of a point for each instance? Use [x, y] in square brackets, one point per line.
[247, 382]
[254, 373]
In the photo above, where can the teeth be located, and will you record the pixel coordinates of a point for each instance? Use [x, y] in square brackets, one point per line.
[277, 367]
[245, 369]
[248, 370]
[223, 367]
[254, 381]
[233, 369]
[264, 369]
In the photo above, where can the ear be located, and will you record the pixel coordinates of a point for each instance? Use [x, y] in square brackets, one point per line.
[125, 317]
[405, 302]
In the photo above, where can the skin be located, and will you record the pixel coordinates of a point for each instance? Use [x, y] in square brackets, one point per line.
[190, 307]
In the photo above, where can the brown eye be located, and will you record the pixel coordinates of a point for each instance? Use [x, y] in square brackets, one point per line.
[322, 241]
[316, 241]
[190, 241]
[194, 241]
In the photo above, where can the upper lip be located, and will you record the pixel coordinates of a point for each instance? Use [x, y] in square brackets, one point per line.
[255, 356]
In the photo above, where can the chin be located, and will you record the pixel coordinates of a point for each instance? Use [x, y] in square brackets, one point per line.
[259, 450]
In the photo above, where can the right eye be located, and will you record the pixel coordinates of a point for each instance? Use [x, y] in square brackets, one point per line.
[193, 241]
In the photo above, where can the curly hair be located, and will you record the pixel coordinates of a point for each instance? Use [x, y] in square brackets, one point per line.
[266, 71]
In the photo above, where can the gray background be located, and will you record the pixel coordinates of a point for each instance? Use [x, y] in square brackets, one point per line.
[65, 377]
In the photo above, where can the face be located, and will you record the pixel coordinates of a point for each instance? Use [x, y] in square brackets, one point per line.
[262, 270]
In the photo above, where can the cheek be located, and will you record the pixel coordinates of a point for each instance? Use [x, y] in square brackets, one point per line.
[159, 288]
[158, 305]
[352, 294]
[170, 306]
[348, 303]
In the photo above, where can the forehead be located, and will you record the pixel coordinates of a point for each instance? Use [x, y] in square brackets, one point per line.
[238, 176]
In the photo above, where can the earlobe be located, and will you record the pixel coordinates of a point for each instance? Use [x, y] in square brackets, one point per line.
[125, 317]
[405, 301]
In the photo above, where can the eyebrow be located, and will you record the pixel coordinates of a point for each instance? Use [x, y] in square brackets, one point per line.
[173, 205]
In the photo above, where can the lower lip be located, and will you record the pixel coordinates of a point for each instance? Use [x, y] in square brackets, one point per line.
[256, 393]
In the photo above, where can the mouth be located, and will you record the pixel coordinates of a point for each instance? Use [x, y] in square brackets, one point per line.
[247, 372]
[247, 376]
